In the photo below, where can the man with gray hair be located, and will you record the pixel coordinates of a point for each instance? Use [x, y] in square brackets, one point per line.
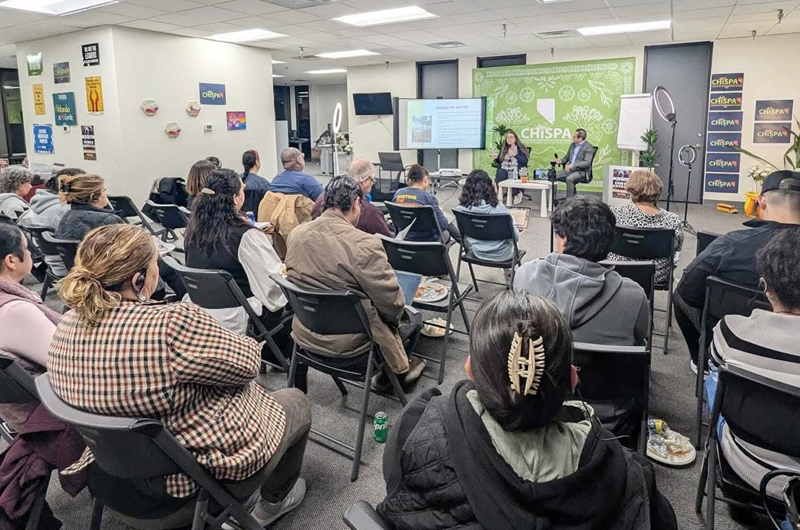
[293, 180]
[372, 220]
[15, 183]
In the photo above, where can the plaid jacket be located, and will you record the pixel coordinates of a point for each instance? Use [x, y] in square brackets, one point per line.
[176, 364]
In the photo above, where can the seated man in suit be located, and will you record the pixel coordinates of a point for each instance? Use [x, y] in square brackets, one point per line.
[577, 163]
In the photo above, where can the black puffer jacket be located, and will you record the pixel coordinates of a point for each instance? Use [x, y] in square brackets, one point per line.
[82, 219]
[442, 472]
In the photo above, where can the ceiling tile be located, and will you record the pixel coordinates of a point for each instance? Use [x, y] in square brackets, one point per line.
[133, 11]
[39, 29]
[603, 41]
[13, 17]
[716, 12]
[769, 7]
[752, 17]
[292, 16]
[690, 5]
[457, 7]
[325, 25]
[218, 27]
[647, 38]
[331, 10]
[88, 19]
[251, 7]
[150, 25]
[356, 33]
[199, 16]
[456, 20]
[191, 32]
[512, 13]
[166, 5]
[568, 43]
[625, 3]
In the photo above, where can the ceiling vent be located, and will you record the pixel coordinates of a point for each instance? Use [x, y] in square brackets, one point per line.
[300, 4]
[560, 34]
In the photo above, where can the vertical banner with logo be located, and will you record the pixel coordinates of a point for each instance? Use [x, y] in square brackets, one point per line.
[94, 95]
[724, 136]
[773, 121]
[43, 139]
[545, 103]
[38, 100]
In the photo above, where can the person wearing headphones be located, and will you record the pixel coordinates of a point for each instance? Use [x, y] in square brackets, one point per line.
[577, 163]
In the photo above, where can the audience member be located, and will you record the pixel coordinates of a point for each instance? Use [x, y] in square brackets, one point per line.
[197, 177]
[196, 377]
[415, 194]
[372, 220]
[15, 183]
[220, 237]
[479, 195]
[644, 188]
[37, 183]
[512, 158]
[214, 160]
[331, 253]
[292, 180]
[507, 448]
[255, 187]
[732, 257]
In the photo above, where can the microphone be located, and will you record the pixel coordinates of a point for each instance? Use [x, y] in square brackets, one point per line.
[554, 162]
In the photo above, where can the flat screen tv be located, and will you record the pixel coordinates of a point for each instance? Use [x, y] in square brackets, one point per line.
[374, 104]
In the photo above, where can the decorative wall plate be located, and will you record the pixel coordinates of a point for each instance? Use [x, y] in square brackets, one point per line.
[173, 130]
[193, 108]
[149, 107]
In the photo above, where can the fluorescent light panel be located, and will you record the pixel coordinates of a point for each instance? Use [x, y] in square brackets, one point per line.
[278, 62]
[56, 7]
[346, 54]
[386, 16]
[277, 75]
[625, 28]
[247, 35]
[328, 71]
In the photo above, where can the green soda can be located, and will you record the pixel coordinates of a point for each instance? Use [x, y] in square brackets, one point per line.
[380, 427]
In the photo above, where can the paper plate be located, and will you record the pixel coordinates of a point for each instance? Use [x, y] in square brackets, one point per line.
[430, 292]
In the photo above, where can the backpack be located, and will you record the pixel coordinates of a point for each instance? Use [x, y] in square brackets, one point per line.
[167, 190]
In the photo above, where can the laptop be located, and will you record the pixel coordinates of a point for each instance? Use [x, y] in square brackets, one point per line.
[408, 284]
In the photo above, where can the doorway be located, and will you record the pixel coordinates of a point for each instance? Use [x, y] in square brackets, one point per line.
[438, 79]
[303, 133]
[12, 132]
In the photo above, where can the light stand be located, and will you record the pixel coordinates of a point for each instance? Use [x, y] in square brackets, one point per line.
[686, 156]
[551, 176]
[334, 130]
[670, 117]
[437, 182]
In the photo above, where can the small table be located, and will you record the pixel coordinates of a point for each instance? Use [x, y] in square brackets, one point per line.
[542, 185]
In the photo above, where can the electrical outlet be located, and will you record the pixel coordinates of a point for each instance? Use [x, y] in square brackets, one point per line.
[208, 127]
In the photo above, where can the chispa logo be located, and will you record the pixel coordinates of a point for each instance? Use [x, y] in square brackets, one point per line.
[774, 112]
[545, 132]
[772, 133]
[724, 142]
[212, 94]
[726, 101]
[725, 122]
[720, 163]
[721, 185]
[727, 81]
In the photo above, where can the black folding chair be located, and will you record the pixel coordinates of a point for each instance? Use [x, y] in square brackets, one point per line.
[125, 208]
[644, 274]
[704, 239]
[760, 411]
[337, 313]
[616, 373]
[216, 289]
[172, 217]
[384, 188]
[48, 250]
[587, 178]
[17, 387]
[141, 448]
[431, 259]
[722, 298]
[66, 248]
[423, 219]
[646, 244]
[362, 516]
[486, 227]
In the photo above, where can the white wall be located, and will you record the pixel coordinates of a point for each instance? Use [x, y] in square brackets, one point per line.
[323, 101]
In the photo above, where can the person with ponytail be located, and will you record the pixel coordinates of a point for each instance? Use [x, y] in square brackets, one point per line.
[117, 353]
[510, 449]
[255, 187]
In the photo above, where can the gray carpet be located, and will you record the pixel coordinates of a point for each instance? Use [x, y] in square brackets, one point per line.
[327, 472]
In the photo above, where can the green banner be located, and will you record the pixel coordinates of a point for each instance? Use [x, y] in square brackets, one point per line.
[545, 103]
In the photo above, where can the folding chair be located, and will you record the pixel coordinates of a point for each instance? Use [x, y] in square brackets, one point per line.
[17, 387]
[423, 219]
[48, 250]
[646, 244]
[585, 180]
[362, 516]
[722, 298]
[704, 239]
[337, 313]
[486, 227]
[125, 208]
[742, 398]
[216, 289]
[430, 259]
[172, 217]
[616, 372]
[644, 274]
[141, 448]
[66, 248]
[384, 188]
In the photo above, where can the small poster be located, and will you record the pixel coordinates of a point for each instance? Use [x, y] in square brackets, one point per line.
[43, 139]
[774, 110]
[237, 121]
[772, 133]
[723, 142]
[61, 73]
[89, 147]
[35, 64]
[3, 163]
[91, 54]
[725, 121]
[64, 104]
[211, 94]
[727, 82]
[725, 101]
[723, 163]
[38, 100]
[94, 95]
[722, 182]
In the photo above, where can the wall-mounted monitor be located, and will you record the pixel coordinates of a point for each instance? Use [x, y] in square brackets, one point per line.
[374, 104]
[440, 123]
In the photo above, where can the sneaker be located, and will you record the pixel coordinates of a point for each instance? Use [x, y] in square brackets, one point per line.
[267, 513]
[517, 199]
[381, 383]
[694, 368]
[415, 368]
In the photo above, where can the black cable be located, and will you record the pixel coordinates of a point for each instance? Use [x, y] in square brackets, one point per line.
[762, 489]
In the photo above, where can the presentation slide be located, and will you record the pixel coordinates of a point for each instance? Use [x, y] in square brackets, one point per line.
[440, 124]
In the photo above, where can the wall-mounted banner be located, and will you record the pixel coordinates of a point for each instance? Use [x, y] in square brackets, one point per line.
[35, 64]
[89, 146]
[725, 121]
[722, 182]
[91, 54]
[64, 104]
[774, 110]
[723, 142]
[211, 94]
[94, 95]
[61, 73]
[237, 121]
[43, 139]
[38, 100]
[772, 133]
[545, 103]
[727, 82]
[723, 162]
[725, 101]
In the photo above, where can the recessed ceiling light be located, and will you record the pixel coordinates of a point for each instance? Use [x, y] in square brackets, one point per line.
[447, 44]
[56, 7]
[247, 35]
[625, 28]
[277, 75]
[328, 71]
[278, 62]
[386, 16]
[347, 54]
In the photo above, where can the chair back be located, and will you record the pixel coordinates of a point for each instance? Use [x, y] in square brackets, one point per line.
[325, 312]
[124, 206]
[169, 215]
[728, 298]
[613, 372]
[209, 288]
[16, 384]
[66, 248]
[420, 257]
[590, 172]
[704, 239]
[644, 243]
[47, 248]
[485, 227]
[641, 272]
[391, 161]
[423, 218]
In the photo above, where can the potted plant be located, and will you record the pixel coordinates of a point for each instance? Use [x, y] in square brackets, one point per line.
[649, 157]
[501, 130]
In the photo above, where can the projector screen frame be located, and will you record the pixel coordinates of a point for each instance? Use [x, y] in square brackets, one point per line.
[396, 125]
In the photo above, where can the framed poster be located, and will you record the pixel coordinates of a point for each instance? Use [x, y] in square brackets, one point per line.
[211, 94]
[38, 100]
[237, 121]
[35, 64]
[89, 147]
[61, 73]
[94, 95]
[64, 104]
[91, 54]
[43, 139]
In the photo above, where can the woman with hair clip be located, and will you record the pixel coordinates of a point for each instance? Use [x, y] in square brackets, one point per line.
[219, 236]
[508, 449]
[513, 156]
[119, 354]
[255, 187]
[418, 180]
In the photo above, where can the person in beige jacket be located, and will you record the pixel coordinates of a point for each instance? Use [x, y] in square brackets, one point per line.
[330, 253]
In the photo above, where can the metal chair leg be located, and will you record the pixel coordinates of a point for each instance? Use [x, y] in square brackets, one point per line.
[200, 509]
[458, 267]
[97, 515]
[340, 385]
[362, 421]
[472, 273]
[464, 315]
[293, 369]
[711, 482]
[701, 362]
[46, 286]
[447, 325]
[701, 486]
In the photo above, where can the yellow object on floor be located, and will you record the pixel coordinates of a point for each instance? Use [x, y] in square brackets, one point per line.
[751, 204]
[726, 208]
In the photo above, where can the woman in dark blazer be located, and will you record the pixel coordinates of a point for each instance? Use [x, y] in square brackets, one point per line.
[513, 157]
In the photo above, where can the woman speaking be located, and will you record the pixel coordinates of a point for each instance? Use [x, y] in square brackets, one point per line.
[513, 156]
